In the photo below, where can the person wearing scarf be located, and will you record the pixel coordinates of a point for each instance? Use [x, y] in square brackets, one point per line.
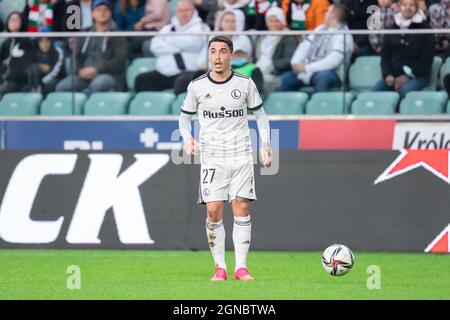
[320, 60]
[305, 14]
[255, 13]
[45, 15]
[406, 60]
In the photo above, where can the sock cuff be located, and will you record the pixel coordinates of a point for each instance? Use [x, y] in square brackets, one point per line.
[242, 221]
[214, 225]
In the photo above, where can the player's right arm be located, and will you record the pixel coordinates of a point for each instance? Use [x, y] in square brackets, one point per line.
[188, 110]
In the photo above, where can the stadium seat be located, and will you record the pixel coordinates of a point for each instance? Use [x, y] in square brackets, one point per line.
[286, 103]
[152, 103]
[445, 69]
[176, 105]
[375, 103]
[424, 102]
[8, 6]
[172, 6]
[364, 73]
[329, 103]
[107, 103]
[437, 62]
[448, 107]
[63, 103]
[138, 66]
[20, 104]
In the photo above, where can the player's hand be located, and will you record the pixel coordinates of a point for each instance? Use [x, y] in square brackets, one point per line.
[266, 155]
[191, 147]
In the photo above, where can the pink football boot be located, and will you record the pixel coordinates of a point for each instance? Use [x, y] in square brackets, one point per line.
[219, 275]
[242, 274]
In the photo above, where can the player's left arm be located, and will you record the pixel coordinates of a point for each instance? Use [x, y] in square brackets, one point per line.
[254, 103]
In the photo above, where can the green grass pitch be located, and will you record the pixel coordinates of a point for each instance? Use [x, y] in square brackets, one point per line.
[148, 274]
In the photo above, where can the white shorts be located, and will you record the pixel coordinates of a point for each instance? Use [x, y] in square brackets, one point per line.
[226, 181]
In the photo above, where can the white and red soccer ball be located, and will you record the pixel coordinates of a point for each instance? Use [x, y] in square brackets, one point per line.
[337, 259]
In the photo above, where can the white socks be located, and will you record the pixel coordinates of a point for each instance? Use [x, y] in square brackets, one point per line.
[216, 242]
[241, 238]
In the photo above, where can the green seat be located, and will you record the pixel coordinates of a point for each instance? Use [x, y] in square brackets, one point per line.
[107, 103]
[138, 66]
[20, 104]
[152, 103]
[437, 62]
[176, 105]
[364, 73]
[445, 69]
[448, 107]
[329, 103]
[286, 103]
[63, 103]
[375, 103]
[424, 102]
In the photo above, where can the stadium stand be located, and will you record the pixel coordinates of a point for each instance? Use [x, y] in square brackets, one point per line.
[423, 103]
[364, 73]
[445, 69]
[333, 103]
[176, 105]
[437, 63]
[152, 103]
[20, 104]
[107, 103]
[138, 66]
[286, 103]
[375, 103]
[63, 103]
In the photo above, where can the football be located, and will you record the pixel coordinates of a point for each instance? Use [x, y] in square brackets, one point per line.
[337, 260]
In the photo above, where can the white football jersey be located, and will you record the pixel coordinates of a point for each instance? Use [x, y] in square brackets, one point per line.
[222, 113]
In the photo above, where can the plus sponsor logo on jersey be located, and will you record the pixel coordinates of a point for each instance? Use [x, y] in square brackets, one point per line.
[434, 161]
[223, 113]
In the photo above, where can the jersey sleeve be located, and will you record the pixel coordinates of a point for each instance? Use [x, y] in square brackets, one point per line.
[190, 102]
[254, 101]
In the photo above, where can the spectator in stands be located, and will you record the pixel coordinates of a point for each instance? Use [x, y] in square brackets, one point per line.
[174, 54]
[320, 60]
[48, 68]
[305, 14]
[155, 18]
[232, 20]
[128, 12]
[226, 20]
[275, 51]
[240, 62]
[406, 60]
[100, 62]
[386, 21]
[233, 4]
[207, 10]
[255, 13]
[358, 15]
[16, 56]
[440, 19]
[46, 15]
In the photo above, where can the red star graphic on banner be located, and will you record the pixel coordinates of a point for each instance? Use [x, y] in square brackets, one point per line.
[435, 161]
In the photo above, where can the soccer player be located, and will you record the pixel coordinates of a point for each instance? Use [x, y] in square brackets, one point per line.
[221, 98]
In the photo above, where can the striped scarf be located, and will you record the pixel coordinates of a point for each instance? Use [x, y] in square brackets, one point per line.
[34, 18]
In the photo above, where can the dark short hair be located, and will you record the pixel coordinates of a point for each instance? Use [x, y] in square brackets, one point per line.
[223, 39]
[341, 11]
